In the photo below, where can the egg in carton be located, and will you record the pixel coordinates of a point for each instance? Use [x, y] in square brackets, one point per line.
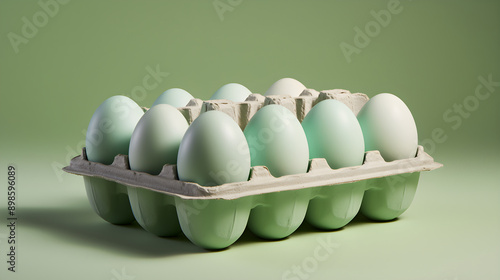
[214, 217]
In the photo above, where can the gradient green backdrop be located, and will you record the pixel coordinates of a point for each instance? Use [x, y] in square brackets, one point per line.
[431, 54]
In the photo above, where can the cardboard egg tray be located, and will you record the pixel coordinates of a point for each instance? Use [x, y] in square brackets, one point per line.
[272, 208]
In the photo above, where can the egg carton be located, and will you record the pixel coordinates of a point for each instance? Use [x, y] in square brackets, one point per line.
[272, 208]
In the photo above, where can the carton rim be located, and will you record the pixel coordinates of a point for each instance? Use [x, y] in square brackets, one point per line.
[260, 181]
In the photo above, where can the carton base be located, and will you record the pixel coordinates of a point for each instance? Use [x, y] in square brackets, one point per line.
[336, 206]
[109, 200]
[389, 197]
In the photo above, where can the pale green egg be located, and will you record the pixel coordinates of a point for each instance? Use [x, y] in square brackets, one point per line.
[388, 126]
[175, 96]
[333, 133]
[156, 139]
[286, 86]
[233, 91]
[110, 128]
[276, 140]
[213, 151]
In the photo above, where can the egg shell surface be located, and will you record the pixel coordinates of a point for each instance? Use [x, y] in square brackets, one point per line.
[110, 129]
[333, 133]
[156, 139]
[176, 97]
[286, 86]
[276, 140]
[388, 126]
[233, 91]
[213, 151]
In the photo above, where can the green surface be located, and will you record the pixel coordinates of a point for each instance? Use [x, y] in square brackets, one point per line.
[433, 54]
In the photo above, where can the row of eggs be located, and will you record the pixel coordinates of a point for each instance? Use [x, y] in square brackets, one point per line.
[235, 92]
[213, 150]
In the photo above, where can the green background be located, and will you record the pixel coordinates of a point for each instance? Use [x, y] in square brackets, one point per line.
[431, 55]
